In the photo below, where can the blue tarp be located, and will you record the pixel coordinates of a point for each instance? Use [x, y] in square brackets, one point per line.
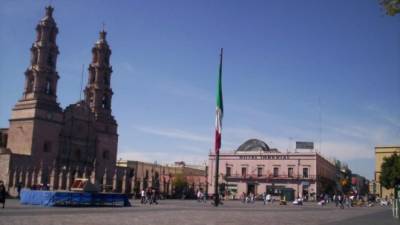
[59, 198]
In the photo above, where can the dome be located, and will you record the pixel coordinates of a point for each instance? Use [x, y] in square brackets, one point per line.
[253, 145]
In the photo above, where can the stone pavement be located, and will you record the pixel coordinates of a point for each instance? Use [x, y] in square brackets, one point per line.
[191, 212]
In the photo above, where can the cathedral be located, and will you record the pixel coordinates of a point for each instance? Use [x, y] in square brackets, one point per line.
[46, 144]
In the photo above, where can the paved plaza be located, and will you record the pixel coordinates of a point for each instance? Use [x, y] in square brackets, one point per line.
[192, 212]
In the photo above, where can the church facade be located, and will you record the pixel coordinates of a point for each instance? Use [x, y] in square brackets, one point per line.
[46, 144]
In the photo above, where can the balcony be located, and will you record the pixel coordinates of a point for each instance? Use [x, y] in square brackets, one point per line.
[266, 177]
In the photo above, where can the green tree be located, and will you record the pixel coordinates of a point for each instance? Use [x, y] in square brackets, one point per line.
[392, 7]
[390, 171]
[180, 185]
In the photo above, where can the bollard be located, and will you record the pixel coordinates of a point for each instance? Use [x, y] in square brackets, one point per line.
[395, 208]
[398, 208]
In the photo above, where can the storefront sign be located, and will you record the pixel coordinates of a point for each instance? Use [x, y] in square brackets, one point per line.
[304, 145]
[263, 157]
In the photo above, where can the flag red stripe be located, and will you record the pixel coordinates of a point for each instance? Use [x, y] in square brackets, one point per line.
[217, 141]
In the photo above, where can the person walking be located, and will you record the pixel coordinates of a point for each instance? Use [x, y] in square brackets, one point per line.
[269, 198]
[148, 195]
[336, 199]
[19, 187]
[199, 196]
[251, 197]
[142, 197]
[264, 196]
[347, 201]
[340, 198]
[3, 193]
[153, 198]
[243, 197]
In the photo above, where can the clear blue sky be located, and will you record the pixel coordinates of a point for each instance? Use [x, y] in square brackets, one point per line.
[281, 59]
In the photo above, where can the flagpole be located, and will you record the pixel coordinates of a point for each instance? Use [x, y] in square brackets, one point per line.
[217, 148]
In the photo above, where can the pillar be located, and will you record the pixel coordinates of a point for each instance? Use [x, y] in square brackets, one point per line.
[123, 188]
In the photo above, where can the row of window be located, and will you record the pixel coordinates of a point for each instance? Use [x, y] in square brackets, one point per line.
[276, 172]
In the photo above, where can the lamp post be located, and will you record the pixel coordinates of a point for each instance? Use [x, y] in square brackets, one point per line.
[298, 177]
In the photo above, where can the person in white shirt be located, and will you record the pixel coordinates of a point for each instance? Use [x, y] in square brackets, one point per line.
[268, 198]
[142, 197]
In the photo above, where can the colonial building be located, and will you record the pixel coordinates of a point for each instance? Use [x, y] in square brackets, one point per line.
[256, 168]
[163, 177]
[46, 144]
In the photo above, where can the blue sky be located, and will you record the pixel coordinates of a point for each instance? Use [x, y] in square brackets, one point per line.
[290, 68]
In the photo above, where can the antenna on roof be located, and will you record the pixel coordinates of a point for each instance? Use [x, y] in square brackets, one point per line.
[80, 92]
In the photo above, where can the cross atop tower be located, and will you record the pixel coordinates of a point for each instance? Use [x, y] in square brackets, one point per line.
[49, 10]
[103, 33]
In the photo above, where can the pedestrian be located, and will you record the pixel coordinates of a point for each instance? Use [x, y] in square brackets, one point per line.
[336, 199]
[3, 193]
[243, 197]
[142, 197]
[247, 198]
[326, 198]
[347, 201]
[153, 198]
[148, 195]
[264, 196]
[19, 187]
[340, 198]
[199, 197]
[269, 198]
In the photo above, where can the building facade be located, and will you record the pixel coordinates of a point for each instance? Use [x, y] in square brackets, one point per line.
[256, 168]
[46, 144]
[163, 177]
[380, 153]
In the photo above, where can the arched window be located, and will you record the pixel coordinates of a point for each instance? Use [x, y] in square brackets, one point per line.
[107, 80]
[95, 56]
[78, 154]
[48, 90]
[38, 33]
[92, 78]
[52, 36]
[34, 56]
[30, 83]
[47, 146]
[91, 100]
[106, 155]
[105, 102]
[50, 61]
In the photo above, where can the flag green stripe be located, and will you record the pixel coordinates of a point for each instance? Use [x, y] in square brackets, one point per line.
[220, 104]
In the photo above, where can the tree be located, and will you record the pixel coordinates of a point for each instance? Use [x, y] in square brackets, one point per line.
[392, 7]
[180, 184]
[390, 171]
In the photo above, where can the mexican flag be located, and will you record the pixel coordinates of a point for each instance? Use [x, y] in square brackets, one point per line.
[219, 110]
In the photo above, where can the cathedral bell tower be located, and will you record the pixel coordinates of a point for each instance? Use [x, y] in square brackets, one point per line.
[98, 91]
[41, 76]
[37, 117]
[98, 95]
